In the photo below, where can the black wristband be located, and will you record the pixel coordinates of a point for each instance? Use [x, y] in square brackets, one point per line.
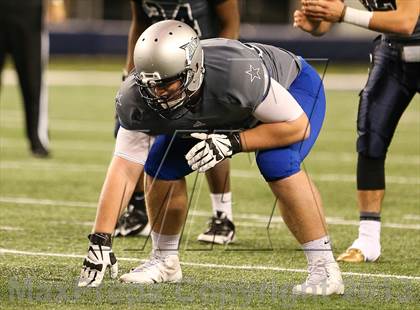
[100, 239]
[235, 141]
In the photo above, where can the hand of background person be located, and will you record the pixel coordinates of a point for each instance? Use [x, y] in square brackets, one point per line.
[325, 10]
[300, 20]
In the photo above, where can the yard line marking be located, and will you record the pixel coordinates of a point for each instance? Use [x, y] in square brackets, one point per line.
[47, 202]
[72, 145]
[275, 222]
[250, 174]
[415, 217]
[52, 166]
[9, 228]
[221, 266]
[352, 157]
[261, 219]
[332, 177]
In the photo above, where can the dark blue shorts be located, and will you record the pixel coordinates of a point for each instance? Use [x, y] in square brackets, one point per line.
[166, 158]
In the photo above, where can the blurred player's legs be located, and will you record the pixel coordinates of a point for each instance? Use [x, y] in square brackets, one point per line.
[23, 35]
[382, 103]
[221, 229]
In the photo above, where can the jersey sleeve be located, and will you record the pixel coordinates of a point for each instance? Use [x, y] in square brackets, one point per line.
[278, 106]
[133, 145]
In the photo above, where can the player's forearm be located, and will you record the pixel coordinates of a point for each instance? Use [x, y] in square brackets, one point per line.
[230, 32]
[273, 135]
[400, 21]
[133, 35]
[228, 14]
[119, 184]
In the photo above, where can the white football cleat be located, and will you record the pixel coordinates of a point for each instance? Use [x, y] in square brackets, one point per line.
[156, 270]
[323, 279]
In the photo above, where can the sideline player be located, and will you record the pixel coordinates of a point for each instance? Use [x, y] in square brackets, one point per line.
[24, 36]
[393, 80]
[209, 19]
[247, 97]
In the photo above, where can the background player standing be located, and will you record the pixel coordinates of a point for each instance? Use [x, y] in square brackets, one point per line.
[23, 35]
[209, 18]
[393, 80]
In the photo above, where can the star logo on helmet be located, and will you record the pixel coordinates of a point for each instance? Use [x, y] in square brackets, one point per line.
[190, 49]
[254, 73]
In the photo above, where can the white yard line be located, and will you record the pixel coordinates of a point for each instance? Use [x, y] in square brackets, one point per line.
[9, 228]
[72, 145]
[261, 220]
[413, 217]
[221, 266]
[47, 202]
[333, 177]
[252, 174]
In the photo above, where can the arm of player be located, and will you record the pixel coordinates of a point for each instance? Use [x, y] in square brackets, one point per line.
[228, 13]
[137, 26]
[131, 150]
[402, 20]
[284, 123]
[130, 154]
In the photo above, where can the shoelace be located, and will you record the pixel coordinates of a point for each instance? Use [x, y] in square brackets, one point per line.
[214, 224]
[154, 259]
[317, 273]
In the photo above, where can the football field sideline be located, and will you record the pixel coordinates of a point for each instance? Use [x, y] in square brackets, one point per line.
[210, 265]
[259, 220]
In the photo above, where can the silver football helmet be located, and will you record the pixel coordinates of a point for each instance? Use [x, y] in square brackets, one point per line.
[168, 55]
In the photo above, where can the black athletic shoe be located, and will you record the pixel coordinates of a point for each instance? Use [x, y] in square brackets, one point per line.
[221, 230]
[134, 220]
[40, 152]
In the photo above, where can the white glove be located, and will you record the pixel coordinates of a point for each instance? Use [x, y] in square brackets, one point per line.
[97, 260]
[213, 149]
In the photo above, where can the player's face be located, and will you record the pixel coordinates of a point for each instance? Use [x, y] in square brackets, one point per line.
[170, 90]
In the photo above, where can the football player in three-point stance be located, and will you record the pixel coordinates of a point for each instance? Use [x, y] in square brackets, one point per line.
[204, 102]
[393, 80]
[209, 18]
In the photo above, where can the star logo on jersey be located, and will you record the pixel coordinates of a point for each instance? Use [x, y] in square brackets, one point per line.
[254, 73]
[118, 99]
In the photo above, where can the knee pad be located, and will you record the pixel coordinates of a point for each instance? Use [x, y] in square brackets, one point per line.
[370, 173]
[372, 145]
